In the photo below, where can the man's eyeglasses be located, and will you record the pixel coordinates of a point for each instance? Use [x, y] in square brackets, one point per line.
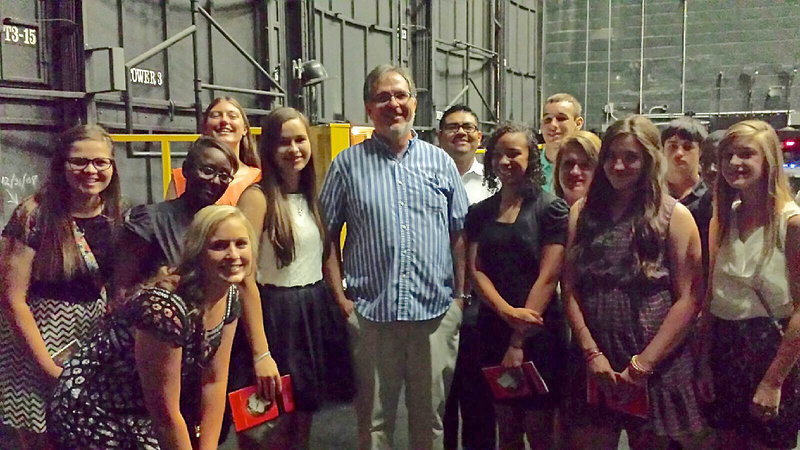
[209, 173]
[468, 128]
[382, 98]
[100, 164]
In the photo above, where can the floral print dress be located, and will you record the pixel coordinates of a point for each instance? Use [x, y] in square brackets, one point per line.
[99, 403]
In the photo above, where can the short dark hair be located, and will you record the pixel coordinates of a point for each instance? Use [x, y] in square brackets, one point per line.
[204, 142]
[455, 109]
[685, 128]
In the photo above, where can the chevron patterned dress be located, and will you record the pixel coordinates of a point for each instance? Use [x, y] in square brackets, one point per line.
[63, 311]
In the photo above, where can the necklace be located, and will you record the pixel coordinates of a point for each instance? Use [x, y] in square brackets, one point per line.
[298, 202]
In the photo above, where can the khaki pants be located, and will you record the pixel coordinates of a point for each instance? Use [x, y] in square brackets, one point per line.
[387, 355]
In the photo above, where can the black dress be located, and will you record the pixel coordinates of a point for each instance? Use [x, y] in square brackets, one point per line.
[98, 401]
[509, 255]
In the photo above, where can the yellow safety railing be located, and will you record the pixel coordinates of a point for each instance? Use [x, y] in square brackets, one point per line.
[165, 146]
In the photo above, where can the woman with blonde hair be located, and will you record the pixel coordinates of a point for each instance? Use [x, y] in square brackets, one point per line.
[754, 332]
[631, 285]
[154, 375]
[575, 165]
[226, 120]
[55, 266]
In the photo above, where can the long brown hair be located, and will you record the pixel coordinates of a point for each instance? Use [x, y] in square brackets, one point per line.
[58, 257]
[247, 147]
[277, 222]
[762, 136]
[596, 215]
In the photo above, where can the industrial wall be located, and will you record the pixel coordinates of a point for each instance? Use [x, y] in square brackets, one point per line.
[671, 56]
[478, 52]
[143, 66]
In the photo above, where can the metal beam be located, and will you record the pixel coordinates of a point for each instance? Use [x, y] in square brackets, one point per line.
[39, 93]
[457, 97]
[241, 90]
[239, 48]
[188, 31]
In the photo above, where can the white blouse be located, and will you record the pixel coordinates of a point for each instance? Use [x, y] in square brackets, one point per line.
[307, 265]
[735, 281]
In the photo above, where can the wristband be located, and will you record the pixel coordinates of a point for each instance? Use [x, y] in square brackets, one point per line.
[262, 356]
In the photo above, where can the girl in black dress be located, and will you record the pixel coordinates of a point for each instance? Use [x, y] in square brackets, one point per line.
[516, 247]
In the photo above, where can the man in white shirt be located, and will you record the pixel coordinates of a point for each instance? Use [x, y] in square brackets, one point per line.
[460, 136]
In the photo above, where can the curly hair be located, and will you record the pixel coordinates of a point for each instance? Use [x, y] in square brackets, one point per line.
[533, 174]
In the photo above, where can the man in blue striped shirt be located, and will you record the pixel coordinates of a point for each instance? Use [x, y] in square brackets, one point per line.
[404, 206]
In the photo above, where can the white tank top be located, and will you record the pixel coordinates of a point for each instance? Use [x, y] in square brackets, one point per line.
[307, 265]
[736, 281]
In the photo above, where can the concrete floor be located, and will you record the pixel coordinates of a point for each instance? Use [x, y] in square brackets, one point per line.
[334, 427]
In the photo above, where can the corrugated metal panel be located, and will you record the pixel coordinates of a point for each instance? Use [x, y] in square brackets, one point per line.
[522, 60]
[463, 51]
[465, 57]
[351, 37]
[36, 99]
[23, 42]
[163, 85]
[452, 47]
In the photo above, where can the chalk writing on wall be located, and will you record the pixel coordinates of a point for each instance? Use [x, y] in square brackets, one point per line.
[19, 186]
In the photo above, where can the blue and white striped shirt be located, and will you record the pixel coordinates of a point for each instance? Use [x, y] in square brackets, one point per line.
[399, 212]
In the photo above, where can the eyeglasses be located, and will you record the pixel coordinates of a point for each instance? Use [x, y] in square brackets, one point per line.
[209, 173]
[100, 164]
[382, 98]
[468, 128]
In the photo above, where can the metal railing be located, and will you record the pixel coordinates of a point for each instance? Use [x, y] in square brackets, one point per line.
[164, 151]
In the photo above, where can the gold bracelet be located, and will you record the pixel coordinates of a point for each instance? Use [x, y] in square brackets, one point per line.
[637, 367]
